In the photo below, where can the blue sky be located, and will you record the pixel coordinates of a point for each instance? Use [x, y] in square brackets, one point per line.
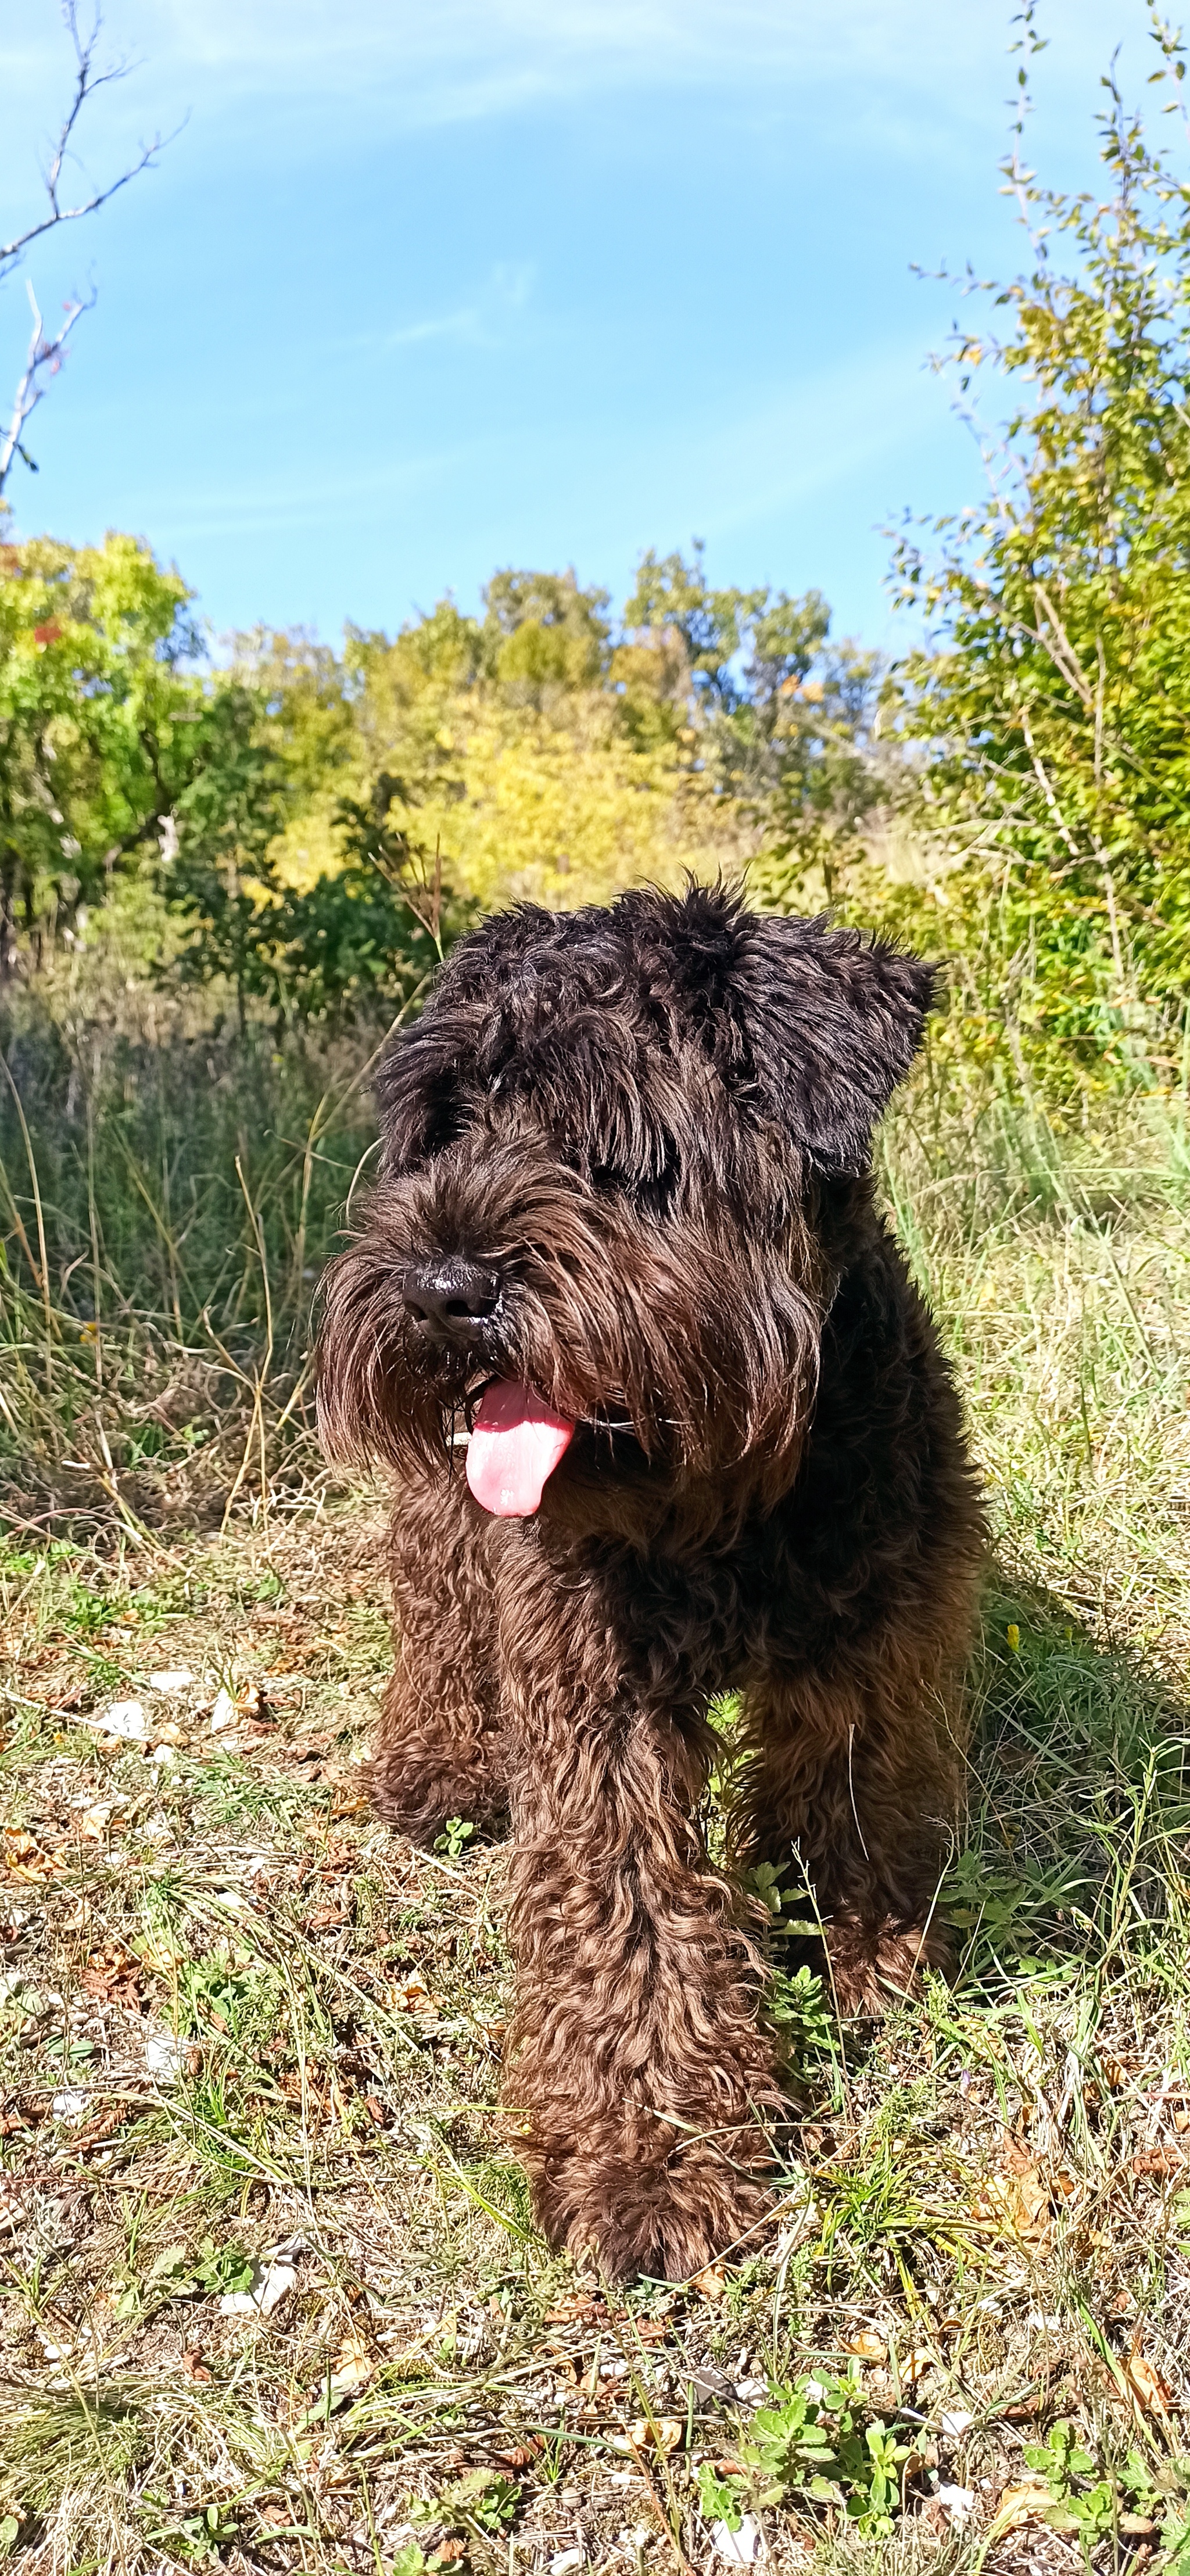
[428, 286]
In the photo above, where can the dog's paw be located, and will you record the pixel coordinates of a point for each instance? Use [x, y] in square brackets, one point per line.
[649, 2221]
[874, 1965]
[423, 1801]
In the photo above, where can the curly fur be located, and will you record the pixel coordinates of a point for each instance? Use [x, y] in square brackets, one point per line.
[649, 1129]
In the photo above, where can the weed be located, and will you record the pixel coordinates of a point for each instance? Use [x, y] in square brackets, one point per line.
[454, 1838]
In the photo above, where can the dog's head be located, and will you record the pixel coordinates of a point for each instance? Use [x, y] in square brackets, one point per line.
[620, 1157]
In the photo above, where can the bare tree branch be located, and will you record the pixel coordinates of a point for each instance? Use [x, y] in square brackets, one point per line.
[44, 356]
[43, 360]
[88, 79]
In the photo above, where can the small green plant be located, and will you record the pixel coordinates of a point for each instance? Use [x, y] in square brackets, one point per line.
[1090, 2500]
[765, 1882]
[454, 1838]
[1003, 1913]
[196, 2538]
[482, 2503]
[1089, 2510]
[720, 2498]
[179, 2273]
[226, 1993]
[800, 2007]
[810, 2442]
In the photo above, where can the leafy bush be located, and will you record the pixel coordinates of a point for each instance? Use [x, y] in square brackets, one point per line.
[1052, 702]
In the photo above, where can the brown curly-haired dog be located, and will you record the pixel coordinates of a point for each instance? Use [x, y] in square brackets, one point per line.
[625, 1236]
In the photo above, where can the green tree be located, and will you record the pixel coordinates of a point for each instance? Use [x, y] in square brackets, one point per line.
[541, 632]
[306, 700]
[94, 645]
[1052, 700]
[673, 599]
[219, 874]
[785, 721]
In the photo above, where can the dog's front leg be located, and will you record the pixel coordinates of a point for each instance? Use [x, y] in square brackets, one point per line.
[635, 2057]
[438, 1751]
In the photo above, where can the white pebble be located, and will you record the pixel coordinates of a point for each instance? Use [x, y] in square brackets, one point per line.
[124, 1717]
[737, 2548]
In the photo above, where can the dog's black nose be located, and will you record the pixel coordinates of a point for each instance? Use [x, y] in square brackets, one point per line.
[450, 1297]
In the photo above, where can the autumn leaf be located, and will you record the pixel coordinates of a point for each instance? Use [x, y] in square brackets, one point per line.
[1151, 2392]
[1019, 2505]
[662, 2435]
[353, 2365]
[1017, 2200]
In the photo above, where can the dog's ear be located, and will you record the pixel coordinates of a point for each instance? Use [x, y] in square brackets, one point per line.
[833, 1025]
[426, 1081]
[417, 1094]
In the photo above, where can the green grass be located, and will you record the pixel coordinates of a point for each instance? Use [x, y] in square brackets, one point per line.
[244, 2033]
[168, 1192]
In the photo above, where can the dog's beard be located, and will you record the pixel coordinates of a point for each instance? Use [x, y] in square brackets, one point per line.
[675, 1354]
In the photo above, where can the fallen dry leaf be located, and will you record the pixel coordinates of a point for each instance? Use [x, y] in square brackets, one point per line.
[1029, 2502]
[93, 1823]
[193, 2363]
[712, 2283]
[663, 2435]
[575, 2308]
[24, 1858]
[343, 1804]
[273, 2282]
[867, 2346]
[412, 1995]
[1017, 2199]
[1151, 2392]
[353, 2365]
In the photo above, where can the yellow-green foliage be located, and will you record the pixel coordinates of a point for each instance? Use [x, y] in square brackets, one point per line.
[533, 761]
[561, 808]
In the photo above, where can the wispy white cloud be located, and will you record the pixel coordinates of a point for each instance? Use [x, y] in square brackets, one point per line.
[461, 326]
[454, 60]
[360, 493]
[747, 464]
[478, 325]
[456, 52]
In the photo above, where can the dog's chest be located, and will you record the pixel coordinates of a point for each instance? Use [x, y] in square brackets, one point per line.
[703, 1624]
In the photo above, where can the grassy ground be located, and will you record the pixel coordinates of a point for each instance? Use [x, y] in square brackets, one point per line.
[272, 2298]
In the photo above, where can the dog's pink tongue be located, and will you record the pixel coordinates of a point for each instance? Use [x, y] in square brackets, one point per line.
[516, 1443]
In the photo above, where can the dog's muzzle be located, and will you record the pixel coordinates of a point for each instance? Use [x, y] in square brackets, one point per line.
[450, 1301]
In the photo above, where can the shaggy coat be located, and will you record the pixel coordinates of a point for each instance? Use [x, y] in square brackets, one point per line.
[626, 1192]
